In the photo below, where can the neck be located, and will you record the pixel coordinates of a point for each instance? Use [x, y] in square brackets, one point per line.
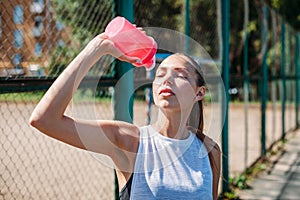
[172, 124]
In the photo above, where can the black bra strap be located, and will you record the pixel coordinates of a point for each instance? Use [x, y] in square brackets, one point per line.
[124, 194]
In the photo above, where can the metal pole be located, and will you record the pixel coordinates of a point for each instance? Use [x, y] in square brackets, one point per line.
[273, 73]
[264, 85]
[297, 77]
[283, 79]
[290, 85]
[123, 94]
[246, 78]
[187, 28]
[225, 76]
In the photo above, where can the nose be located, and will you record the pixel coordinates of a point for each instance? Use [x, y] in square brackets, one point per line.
[167, 82]
[165, 78]
[168, 79]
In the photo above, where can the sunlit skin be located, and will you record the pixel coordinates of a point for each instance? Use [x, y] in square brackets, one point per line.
[175, 91]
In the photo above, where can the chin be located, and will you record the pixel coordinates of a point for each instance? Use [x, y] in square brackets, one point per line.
[168, 106]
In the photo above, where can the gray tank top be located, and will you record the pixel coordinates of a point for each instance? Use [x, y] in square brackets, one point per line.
[168, 168]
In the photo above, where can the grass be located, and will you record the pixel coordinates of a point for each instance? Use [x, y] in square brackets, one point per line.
[80, 96]
[33, 97]
[21, 97]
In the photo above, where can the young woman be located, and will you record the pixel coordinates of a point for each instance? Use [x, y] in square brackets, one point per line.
[165, 160]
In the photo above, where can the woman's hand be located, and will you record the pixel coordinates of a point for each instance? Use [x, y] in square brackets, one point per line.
[101, 44]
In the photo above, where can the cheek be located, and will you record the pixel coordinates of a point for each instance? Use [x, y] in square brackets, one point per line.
[186, 94]
[155, 91]
[186, 89]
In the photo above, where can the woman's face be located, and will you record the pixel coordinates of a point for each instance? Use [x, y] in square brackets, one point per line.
[175, 84]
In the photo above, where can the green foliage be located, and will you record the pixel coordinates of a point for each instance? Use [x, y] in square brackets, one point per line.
[230, 195]
[240, 181]
[171, 14]
[289, 10]
[60, 58]
[82, 19]
[86, 17]
[158, 13]
[21, 97]
[203, 25]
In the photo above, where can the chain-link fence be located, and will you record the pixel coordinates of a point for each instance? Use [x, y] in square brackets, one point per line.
[34, 166]
[268, 87]
[38, 38]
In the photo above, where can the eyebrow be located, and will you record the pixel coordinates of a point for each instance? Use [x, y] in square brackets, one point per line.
[180, 69]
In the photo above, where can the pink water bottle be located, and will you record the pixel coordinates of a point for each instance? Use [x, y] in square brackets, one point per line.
[132, 41]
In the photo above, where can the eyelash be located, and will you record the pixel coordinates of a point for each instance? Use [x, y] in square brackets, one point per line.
[182, 76]
[159, 75]
[179, 76]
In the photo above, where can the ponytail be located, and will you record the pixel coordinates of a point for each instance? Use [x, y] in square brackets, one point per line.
[196, 123]
[196, 119]
[201, 118]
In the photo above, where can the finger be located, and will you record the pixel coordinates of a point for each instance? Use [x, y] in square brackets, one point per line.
[130, 59]
[103, 36]
[123, 57]
[141, 29]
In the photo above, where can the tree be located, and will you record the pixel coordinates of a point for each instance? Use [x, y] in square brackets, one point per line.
[289, 10]
[87, 18]
[158, 13]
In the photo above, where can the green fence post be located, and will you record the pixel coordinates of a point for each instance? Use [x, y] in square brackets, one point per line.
[246, 78]
[264, 85]
[125, 87]
[283, 79]
[297, 77]
[225, 76]
[187, 27]
[289, 70]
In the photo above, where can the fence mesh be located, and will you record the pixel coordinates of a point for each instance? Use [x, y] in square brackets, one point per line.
[38, 38]
[271, 41]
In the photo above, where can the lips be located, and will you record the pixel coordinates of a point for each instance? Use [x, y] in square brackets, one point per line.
[166, 92]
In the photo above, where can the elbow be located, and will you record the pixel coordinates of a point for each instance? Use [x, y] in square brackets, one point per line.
[33, 121]
[37, 121]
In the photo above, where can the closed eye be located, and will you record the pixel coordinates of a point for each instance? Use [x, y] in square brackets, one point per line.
[183, 76]
[160, 74]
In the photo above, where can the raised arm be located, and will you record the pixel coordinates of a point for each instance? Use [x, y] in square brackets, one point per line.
[97, 136]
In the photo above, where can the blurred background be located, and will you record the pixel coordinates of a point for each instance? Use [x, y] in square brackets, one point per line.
[38, 38]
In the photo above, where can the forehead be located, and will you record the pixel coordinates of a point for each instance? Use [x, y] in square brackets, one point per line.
[176, 63]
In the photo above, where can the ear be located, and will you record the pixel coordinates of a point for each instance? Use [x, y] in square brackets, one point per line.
[200, 93]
